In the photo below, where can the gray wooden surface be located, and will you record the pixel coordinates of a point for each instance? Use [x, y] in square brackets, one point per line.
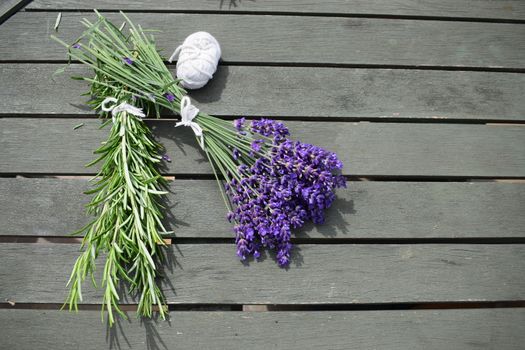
[295, 92]
[344, 330]
[290, 39]
[318, 274]
[438, 8]
[365, 148]
[402, 91]
[365, 210]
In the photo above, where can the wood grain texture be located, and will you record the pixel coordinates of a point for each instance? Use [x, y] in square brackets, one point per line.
[295, 92]
[319, 274]
[399, 149]
[290, 39]
[365, 210]
[440, 8]
[343, 330]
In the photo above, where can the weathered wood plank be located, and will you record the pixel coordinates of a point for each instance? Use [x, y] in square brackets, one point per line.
[319, 274]
[344, 330]
[365, 210]
[9, 7]
[443, 8]
[295, 91]
[365, 148]
[280, 39]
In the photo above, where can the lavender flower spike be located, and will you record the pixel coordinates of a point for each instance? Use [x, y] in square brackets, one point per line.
[239, 123]
[127, 60]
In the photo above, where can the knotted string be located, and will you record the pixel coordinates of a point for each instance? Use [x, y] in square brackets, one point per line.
[187, 113]
[123, 107]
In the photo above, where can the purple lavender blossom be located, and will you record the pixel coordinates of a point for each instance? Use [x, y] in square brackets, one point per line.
[236, 154]
[276, 195]
[256, 145]
[166, 158]
[239, 123]
[76, 46]
[270, 128]
[127, 60]
[170, 97]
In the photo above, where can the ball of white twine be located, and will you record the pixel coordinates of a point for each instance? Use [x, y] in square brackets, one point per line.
[198, 57]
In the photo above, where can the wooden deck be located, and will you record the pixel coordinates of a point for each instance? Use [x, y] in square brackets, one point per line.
[423, 102]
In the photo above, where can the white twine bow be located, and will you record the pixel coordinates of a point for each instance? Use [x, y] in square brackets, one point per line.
[123, 107]
[187, 113]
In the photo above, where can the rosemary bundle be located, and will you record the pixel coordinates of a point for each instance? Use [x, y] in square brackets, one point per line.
[127, 225]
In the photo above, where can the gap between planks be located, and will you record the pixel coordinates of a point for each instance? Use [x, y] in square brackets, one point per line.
[383, 119]
[182, 177]
[9, 7]
[12, 304]
[295, 14]
[32, 239]
[327, 65]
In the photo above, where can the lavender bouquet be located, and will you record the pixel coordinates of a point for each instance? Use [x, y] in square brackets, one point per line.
[275, 185]
[270, 183]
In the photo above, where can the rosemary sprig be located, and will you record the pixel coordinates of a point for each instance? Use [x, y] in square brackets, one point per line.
[128, 223]
[128, 219]
[127, 227]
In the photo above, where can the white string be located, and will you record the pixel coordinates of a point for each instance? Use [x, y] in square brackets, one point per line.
[187, 113]
[198, 58]
[123, 107]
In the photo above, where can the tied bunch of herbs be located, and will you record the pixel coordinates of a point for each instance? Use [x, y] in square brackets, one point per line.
[128, 225]
[270, 183]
